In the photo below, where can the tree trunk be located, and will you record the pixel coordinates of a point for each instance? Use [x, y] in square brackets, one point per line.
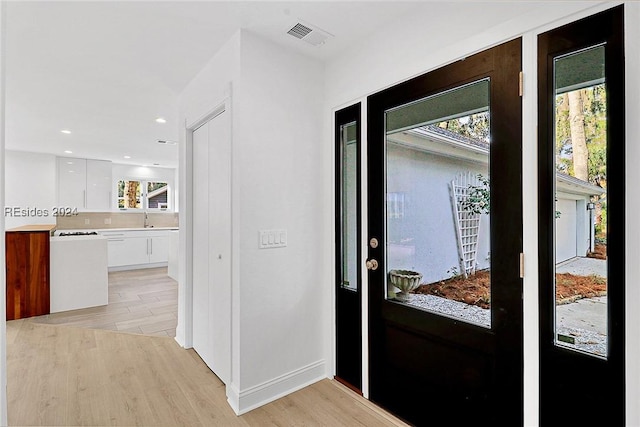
[578, 139]
[130, 191]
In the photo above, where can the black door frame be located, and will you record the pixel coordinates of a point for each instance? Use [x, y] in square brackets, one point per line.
[348, 302]
[395, 328]
[577, 380]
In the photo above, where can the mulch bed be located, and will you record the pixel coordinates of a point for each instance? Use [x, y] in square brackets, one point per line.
[599, 251]
[476, 290]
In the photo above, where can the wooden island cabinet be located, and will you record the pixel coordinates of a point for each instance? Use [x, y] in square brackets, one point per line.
[27, 270]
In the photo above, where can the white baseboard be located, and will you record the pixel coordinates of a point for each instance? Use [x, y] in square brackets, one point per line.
[246, 400]
[138, 266]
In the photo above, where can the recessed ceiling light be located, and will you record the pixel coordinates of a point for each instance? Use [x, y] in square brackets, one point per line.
[69, 163]
[68, 151]
[127, 157]
[161, 120]
[67, 131]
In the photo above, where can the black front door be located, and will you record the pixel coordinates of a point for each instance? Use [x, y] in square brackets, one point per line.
[445, 210]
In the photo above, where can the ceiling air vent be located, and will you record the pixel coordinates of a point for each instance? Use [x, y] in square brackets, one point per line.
[299, 31]
[309, 33]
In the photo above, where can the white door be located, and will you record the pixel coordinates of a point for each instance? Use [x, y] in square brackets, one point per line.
[212, 244]
[201, 341]
[566, 236]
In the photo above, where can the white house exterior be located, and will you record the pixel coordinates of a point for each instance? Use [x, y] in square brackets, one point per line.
[574, 222]
[421, 165]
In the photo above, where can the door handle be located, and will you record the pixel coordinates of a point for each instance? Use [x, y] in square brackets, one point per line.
[372, 264]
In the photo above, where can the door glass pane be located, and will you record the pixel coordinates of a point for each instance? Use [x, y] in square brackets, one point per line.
[349, 146]
[437, 204]
[581, 201]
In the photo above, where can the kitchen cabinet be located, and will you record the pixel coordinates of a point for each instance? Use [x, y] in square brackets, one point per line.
[174, 251]
[79, 276]
[72, 182]
[136, 248]
[27, 271]
[99, 185]
[159, 248]
[84, 184]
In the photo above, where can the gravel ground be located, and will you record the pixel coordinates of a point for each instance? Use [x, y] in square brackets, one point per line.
[455, 309]
[589, 341]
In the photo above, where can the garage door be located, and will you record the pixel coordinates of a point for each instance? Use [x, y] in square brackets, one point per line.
[566, 239]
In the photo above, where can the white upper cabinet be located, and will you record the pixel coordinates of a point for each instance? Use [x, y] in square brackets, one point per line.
[72, 182]
[99, 185]
[84, 184]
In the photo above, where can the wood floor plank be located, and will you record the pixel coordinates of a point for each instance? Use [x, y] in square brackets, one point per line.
[63, 375]
[146, 297]
[72, 369]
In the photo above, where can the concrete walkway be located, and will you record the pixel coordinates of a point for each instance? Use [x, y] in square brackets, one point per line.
[586, 313]
[583, 267]
[584, 319]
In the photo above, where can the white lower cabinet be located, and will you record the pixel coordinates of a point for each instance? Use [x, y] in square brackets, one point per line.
[159, 248]
[137, 248]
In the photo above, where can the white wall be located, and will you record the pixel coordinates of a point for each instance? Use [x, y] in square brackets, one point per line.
[278, 299]
[132, 172]
[3, 297]
[206, 92]
[279, 139]
[30, 182]
[632, 267]
[406, 49]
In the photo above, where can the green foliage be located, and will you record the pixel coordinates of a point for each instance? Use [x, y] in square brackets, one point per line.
[474, 126]
[594, 100]
[479, 197]
[453, 272]
[153, 186]
[601, 224]
[594, 103]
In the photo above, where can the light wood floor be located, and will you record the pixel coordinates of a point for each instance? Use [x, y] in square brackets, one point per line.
[140, 302]
[68, 376]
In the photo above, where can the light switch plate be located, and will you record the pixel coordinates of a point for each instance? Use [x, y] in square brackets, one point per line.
[272, 239]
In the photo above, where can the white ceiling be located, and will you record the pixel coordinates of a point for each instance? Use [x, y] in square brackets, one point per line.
[106, 70]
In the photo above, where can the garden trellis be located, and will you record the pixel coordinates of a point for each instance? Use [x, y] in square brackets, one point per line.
[467, 220]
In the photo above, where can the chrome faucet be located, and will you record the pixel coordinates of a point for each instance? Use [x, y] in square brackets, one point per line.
[146, 220]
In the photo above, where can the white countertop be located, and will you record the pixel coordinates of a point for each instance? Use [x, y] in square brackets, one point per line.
[106, 230]
[103, 230]
[77, 238]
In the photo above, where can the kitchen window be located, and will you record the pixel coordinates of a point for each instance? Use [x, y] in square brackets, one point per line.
[139, 194]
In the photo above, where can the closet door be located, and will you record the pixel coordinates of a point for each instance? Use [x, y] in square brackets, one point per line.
[212, 244]
[201, 332]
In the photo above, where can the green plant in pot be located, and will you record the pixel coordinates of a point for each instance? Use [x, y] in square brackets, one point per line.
[406, 281]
